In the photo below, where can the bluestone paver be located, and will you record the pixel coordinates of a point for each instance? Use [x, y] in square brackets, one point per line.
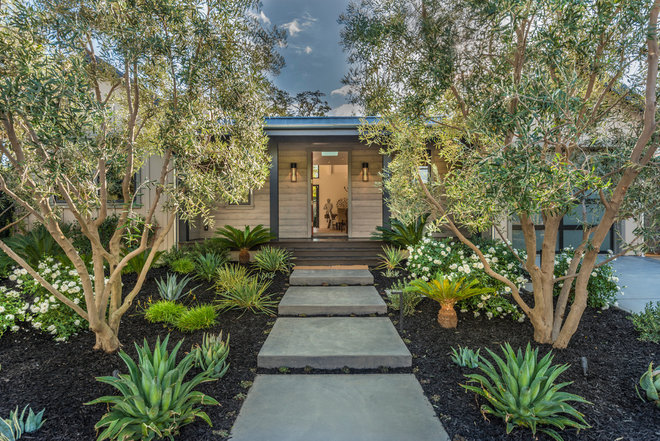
[334, 342]
[370, 407]
[314, 277]
[331, 300]
[639, 279]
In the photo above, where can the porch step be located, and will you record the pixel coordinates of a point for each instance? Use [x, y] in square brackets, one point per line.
[313, 277]
[376, 407]
[345, 260]
[334, 342]
[331, 300]
[333, 251]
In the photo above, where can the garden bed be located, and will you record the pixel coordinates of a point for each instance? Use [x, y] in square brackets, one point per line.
[60, 377]
[616, 360]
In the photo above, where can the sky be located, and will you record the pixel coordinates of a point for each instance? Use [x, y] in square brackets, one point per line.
[314, 58]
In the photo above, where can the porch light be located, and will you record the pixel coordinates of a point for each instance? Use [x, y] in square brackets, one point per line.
[294, 172]
[365, 171]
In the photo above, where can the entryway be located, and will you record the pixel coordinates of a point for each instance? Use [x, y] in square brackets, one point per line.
[329, 191]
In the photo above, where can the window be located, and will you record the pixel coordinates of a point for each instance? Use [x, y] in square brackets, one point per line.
[247, 201]
[425, 173]
[315, 171]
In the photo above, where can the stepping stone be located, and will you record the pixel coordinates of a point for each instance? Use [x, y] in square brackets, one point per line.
[332, 300]
[334, 342]
[367, 407]
[317, 277]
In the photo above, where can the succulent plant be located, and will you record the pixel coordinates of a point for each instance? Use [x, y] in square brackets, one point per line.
[16, 425]
[211, 356]
[171, 288]
[650, 383]
[523, 392]
[155, 401]
[465, 357]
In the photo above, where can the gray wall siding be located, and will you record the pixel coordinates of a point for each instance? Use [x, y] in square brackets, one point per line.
[295, 206]
[366, 197]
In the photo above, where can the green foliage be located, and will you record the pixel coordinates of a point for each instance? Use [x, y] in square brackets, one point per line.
[32, 247]
[183, 265]
[206, 246]
[445, 290]
[197, 317]
[137, 263]
[164, 311]
[391, 259]
[230, 276]
[13, 428]
[650, 384]
[522, 391]
[211, 355]
[647, 322]
[273, 259]
[248, 295]
[172, 289]
[465, 357]
[245, 239]
[207, 265]
[410, 298]
[174, 253]
[155, 401]
[401, 234]
[455, 260]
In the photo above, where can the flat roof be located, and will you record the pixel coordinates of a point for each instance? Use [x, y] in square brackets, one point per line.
[315, 125]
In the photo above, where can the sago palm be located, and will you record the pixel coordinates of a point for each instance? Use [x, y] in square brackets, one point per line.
[447, 292]
[244, 240]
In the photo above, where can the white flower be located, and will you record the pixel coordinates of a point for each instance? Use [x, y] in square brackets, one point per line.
[76, 323]
[14, 328]
[9, 317]
[499, 309]
[480, 305]
[477, 313]
[453, 266]
[51, 328]
[2, 309]
[463, 310]
[521, 319]
[507, 289]
[36, 325]
[60, 339]
[593, 274]
[51, 299]
[76, 300]
[12, 277]
[489, 315]
[424, 278]
[491, 250]
[495, 260]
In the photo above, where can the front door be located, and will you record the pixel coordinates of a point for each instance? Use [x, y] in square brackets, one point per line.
[329, 202]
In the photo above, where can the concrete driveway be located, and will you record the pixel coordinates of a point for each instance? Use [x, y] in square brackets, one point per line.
[639, 279]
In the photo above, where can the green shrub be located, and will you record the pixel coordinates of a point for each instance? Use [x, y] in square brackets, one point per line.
[273, 259]
[456, 260]
[207, 265]
[249, 295]
[137, 263]
[183, 265]
[207, 246]
[465, 357]
[230, 276]
[647, 322]
[32, 247]
[522, 391]
[410, 298]
[198, 317]
[650, 384]
[401, 234]
[391, 259]
[13, 428]
[211, 355]
[155, 401]
[164, 311]
[171, 288]
[245, 239]
[171, 255]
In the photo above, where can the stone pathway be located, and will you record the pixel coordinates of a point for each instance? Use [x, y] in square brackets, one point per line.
[329, 407]
[639, 278]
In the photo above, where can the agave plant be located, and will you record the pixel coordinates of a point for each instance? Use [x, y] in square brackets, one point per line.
[273, 259]
[171, 288]
[211, 356]
[523, 392]
[401, 234]
[16, 425]
[650, 383]
[391, 258]
[447, 292]
[244, 240]
[249, 295]
[207, 265]
[155, 400]
[465, 357]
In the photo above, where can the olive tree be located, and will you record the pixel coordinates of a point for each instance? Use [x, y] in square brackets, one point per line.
[90, 91]
[536, 106]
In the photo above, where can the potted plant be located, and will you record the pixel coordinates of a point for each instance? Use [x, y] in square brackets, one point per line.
[447, 292]
[244, 240]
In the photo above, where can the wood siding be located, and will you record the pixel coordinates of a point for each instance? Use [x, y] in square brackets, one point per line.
[366, 197]
[295, 204]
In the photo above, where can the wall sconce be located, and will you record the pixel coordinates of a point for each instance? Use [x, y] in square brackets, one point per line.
[365, 171]
[294, 172]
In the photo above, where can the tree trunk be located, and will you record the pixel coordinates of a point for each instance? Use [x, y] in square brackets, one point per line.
[244, 256]
[447, 315]
[106, 339]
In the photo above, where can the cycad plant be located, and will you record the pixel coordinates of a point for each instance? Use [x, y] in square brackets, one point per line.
[447, 292]
[401, 234]
[522, 391]
[155, 401]
[244, 240]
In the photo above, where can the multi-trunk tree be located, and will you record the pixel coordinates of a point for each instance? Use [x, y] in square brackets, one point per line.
[539, 108]
[91, 91]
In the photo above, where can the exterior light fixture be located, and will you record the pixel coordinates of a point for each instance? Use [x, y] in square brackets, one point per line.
[365, 171]
[294, 172]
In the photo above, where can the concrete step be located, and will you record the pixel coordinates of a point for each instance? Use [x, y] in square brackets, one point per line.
[313, 277]
[331, 300]
[378, 407]
[334, 342]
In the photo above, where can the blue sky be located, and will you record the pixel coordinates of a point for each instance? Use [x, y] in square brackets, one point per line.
[314, 58]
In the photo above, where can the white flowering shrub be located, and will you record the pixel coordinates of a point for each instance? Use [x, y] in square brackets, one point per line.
[455, 260]
[602, 287]
[30, 302]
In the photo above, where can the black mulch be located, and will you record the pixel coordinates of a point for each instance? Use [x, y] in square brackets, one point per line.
[616, 360]
[60, 377]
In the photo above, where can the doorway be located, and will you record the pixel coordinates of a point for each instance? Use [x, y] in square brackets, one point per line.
[329, 194]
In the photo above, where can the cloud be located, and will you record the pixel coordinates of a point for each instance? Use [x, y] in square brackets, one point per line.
[343, 91]
[299, 24]
[347, 110]
[308, 50]
[261, 17]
